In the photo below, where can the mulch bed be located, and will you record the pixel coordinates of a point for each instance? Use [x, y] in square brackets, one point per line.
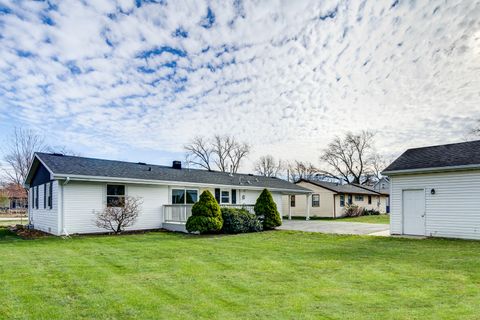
[28, 234]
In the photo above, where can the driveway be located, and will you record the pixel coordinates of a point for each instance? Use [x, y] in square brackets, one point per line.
[372, 229]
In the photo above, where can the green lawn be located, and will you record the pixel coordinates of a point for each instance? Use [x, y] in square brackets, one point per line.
[269, 275]
[383, 219]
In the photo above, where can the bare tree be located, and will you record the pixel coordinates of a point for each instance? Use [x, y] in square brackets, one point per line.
[225, 152]
[348, 158]
[21, 147]
[199, 153]
[298, 170]
[476, 130]
[267, 166]
[119, 214]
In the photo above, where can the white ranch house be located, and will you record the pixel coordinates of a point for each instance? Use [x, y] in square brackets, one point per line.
[435, 191]
[66, 192]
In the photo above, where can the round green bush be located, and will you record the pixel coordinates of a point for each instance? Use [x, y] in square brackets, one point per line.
[206, 216]
[239, 221]
[266, 210]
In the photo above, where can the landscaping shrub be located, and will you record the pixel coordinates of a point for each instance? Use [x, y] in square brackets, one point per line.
[353, 210]
[206, 216]
[239, 221]
[266, 210]
[370, 212]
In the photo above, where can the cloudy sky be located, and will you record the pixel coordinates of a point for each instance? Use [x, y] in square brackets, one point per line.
[135, 80]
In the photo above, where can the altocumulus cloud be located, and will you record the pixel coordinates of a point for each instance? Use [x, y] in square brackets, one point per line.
[284, 75]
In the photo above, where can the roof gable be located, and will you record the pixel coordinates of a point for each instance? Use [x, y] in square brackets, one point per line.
[465, 154]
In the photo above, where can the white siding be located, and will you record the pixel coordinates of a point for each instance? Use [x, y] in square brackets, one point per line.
[45, 219]
[454, 209]
[82, 200]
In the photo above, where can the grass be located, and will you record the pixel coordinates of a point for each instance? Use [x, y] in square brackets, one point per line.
[382, 219]
[269, 275]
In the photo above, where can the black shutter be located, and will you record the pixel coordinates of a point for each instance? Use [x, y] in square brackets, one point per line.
[234, 196]
[217, 195]
[36, 198]
[45, 196]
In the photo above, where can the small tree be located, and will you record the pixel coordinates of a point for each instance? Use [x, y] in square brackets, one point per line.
[206, 215]
[266, 210]
[119, 215]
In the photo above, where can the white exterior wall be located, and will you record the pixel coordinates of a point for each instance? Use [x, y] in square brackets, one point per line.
[454, 209]
[45, 219]
[83, 199]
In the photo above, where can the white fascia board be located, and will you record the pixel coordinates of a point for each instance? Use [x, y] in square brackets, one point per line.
[170, 183]
[432, 170]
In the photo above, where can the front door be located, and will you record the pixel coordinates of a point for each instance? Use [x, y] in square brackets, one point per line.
[414, 212]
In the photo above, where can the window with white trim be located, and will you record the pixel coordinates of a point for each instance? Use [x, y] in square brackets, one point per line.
[358, 198]
[292, 201]
[315, 200]
[184, 196]
[225, 196]
[115, 195]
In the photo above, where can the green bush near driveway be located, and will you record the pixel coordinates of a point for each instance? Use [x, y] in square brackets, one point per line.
[239, 221]
[266, 210]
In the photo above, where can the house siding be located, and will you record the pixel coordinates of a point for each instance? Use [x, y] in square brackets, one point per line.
[82, 200]
[45, 219]
[453, 211]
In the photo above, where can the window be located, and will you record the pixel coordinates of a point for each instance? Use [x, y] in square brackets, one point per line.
[358, 198]
[292, 201]
[349, 199]
[342, 200]
[115, 195]
[184, 196]
[45, 196]
[369, 199]
[50, 192]
[315, 200]
[225, 196]
[36, 197]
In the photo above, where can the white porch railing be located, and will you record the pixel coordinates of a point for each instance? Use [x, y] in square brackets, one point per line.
[177, 212]
[249, 207]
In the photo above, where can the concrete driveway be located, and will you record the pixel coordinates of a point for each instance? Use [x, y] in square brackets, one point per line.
[372, 229]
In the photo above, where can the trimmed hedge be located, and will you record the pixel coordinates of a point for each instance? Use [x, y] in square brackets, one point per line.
[266, 210]
[239, 221]
[206, 216]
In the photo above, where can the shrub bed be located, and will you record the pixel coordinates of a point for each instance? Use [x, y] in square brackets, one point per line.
[206, 216]
[239, 221]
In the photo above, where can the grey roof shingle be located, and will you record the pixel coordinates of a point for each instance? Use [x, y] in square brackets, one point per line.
[342, 188]
[72, 165]
[442, 156]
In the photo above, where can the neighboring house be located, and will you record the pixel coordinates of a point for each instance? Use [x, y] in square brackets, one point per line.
[383, 186]
[66, 192]
[435, 191]
[329, 199]
[15, 197]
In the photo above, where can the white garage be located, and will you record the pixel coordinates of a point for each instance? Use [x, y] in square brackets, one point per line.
[435, 191]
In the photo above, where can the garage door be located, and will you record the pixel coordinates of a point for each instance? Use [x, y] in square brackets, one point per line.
[414, 212]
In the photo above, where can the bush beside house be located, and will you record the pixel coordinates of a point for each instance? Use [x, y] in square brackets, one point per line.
[239, 221]
[356, 211]
[266, 210]
[206, 215]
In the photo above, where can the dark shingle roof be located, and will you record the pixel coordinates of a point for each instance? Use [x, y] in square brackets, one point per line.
[70, 165]
[443, 156]
[342, 188]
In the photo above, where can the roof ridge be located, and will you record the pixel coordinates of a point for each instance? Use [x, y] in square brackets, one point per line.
[443, 145]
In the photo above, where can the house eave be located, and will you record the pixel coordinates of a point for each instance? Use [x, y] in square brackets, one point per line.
[171, 183]
[431, 170]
